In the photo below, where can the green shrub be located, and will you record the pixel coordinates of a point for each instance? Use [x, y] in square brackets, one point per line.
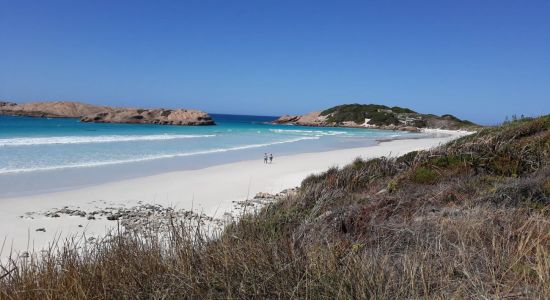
[382, 115]
[392, 186]
[402, 110]
[358, 112]
[424, 175]
[346, 108]
[358, 164]
[382, 118]
[446, 161]
[506, 165]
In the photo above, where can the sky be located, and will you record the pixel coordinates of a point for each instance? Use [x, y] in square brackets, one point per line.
[477, 59]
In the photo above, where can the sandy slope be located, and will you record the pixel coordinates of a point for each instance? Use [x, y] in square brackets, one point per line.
[211, 190]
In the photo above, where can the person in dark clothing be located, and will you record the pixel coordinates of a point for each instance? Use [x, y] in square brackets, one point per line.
[271, 158]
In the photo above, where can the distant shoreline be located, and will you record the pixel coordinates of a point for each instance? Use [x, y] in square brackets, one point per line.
[107, 114]
[81, 168]
[109, 172]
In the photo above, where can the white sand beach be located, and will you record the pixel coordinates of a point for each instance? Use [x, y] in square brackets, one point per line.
[210, 190]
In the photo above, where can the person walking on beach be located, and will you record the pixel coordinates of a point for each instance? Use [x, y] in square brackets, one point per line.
[265, 158]
[270, 157]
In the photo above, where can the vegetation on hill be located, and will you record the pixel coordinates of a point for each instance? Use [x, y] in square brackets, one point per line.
[469, 219]
[381, 115]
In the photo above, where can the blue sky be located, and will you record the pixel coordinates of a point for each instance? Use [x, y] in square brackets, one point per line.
[479, 60]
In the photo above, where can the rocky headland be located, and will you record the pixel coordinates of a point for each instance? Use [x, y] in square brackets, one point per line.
[151, 116]
[106, 114]
[55, 109]
[376, 116]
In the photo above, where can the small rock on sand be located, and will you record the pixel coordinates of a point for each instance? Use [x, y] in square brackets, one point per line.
[262, 195]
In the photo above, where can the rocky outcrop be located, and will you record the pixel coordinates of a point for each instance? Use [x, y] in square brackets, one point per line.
[151, 116]
[287, 119]
[375, 116]
[57, 109]
[106, 114]
[3, 103]
[310, 119]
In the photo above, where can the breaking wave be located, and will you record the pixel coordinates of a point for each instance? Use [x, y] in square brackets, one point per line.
[150, 157]
[65, 140]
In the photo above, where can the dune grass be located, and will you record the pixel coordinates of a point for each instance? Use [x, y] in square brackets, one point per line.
[469, 219]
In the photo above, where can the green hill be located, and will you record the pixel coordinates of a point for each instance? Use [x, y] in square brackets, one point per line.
[381, 115]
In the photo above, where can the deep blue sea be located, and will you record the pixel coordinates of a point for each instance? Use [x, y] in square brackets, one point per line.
[76, 153]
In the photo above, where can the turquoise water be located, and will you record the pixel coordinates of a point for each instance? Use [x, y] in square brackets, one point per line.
[31, 149]
[38, 144]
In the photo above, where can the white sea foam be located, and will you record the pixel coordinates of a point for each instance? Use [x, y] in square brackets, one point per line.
[150, 157]
[33, 141]
[308, 132]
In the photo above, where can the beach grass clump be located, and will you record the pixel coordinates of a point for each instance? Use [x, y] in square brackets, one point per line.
[424, 175]
[448, 161]
[392, 186]
[469, 219]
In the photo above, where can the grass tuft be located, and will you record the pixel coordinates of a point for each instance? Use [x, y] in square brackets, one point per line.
[424, 175]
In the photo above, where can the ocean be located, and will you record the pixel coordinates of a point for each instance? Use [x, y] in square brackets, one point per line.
[42, 154]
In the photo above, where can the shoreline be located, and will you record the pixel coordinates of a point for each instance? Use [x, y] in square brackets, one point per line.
[197, 190]
[42, 180]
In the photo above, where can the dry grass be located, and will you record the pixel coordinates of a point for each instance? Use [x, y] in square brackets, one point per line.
[480, 229]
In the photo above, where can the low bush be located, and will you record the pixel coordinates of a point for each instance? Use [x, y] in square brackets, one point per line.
[424, 175]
